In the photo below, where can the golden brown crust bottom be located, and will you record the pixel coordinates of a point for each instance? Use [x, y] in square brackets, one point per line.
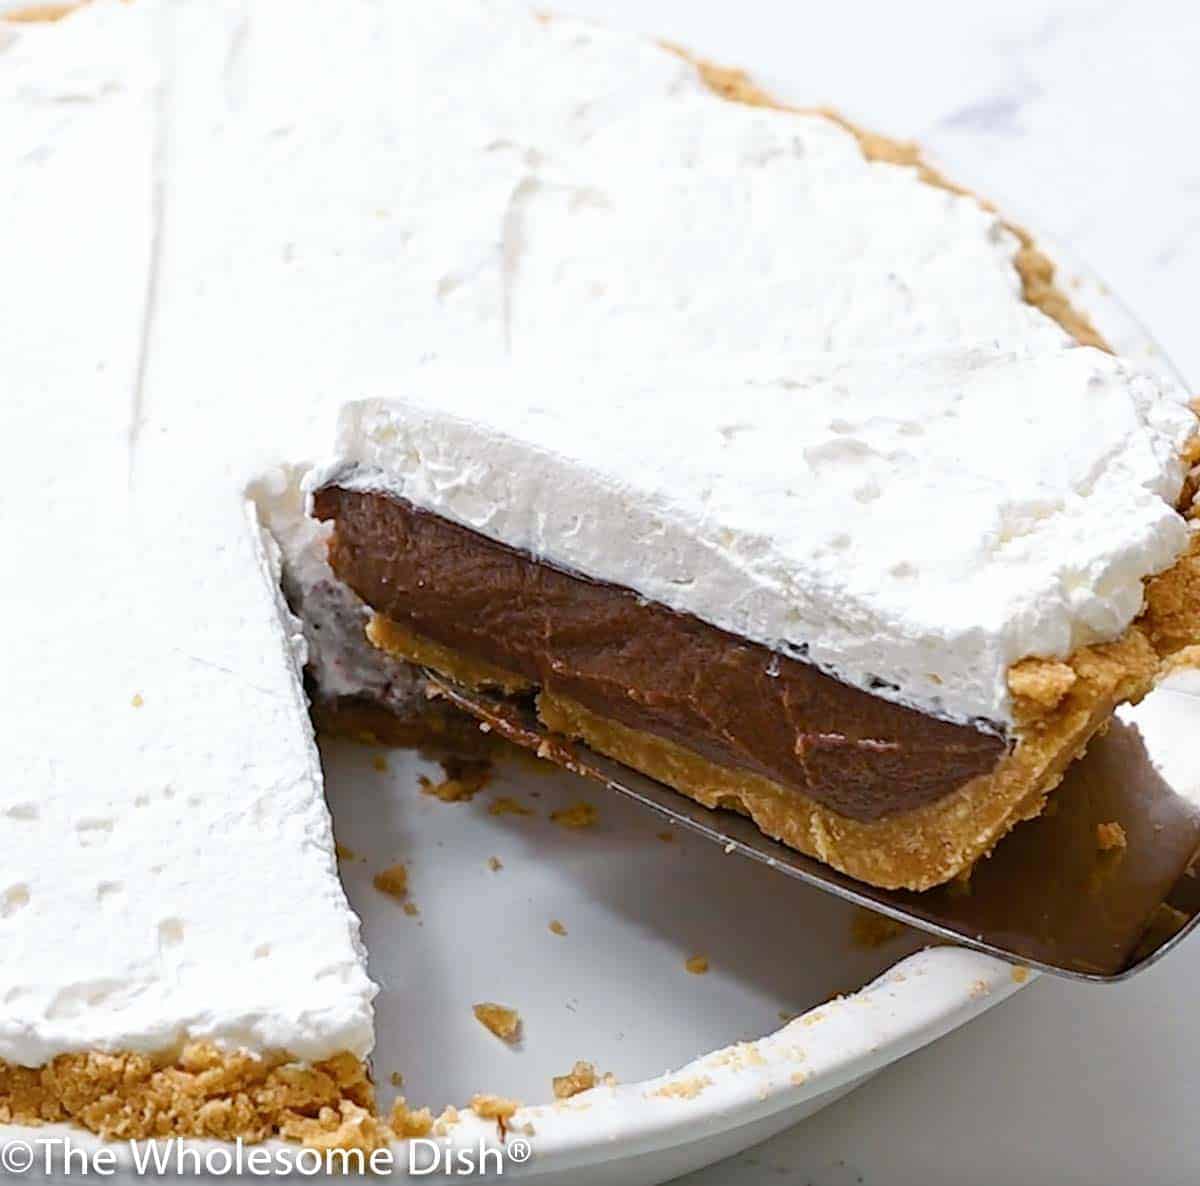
[203, 1092]
[1062, 704]
[397, 640]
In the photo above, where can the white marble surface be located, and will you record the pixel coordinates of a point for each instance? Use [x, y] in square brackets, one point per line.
[1079, 117]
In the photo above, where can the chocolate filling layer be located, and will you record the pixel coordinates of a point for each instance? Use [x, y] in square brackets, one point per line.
[666, 673]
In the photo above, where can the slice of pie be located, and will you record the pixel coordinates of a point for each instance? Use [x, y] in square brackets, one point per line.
[877, 603]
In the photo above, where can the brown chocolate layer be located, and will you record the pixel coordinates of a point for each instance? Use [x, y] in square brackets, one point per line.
[732, 701]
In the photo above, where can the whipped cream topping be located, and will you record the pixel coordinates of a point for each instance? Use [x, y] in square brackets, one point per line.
[911, 524]
[167, 859]
[231, 218]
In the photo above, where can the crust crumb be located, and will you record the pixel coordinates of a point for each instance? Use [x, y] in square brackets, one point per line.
[504, 1022]
[406, 1123]
[396, 1079]
[392, 881]
[582, 815]
[506, 805]
[343, 852]
[557, 927]
[738, 1056]
[494, 1107]
[1038, 687]
[495, 864]
[581, 1077]
[380, 762]
[1020, 973]
[665, 837]
[1110, 836]
[683, 1089]
[696, 964]
[868, 929]
[411, 909]
[464, 779]
[137, 701]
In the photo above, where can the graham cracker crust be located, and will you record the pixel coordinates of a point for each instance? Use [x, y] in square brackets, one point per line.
[1060, 706]
[1172, 614]
[201, 1092]
[397, 640]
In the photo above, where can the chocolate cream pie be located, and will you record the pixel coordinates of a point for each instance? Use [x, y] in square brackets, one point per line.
[876, 603]
[225, 221]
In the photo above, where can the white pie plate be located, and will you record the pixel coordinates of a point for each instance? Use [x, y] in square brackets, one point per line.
[614, 990]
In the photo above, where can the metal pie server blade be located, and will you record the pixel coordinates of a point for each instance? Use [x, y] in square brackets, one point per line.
[1050, 896]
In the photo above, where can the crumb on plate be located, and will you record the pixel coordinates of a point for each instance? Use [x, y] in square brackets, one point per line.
[392, 881]
[494, 1107]
[506, 805]
[464, 779]
[684, 1089]
[406, 1122]
[503, 1021]
[581, 1077]
[582, 815]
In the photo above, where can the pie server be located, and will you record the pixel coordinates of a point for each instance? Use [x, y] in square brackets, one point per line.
[1049, 897]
